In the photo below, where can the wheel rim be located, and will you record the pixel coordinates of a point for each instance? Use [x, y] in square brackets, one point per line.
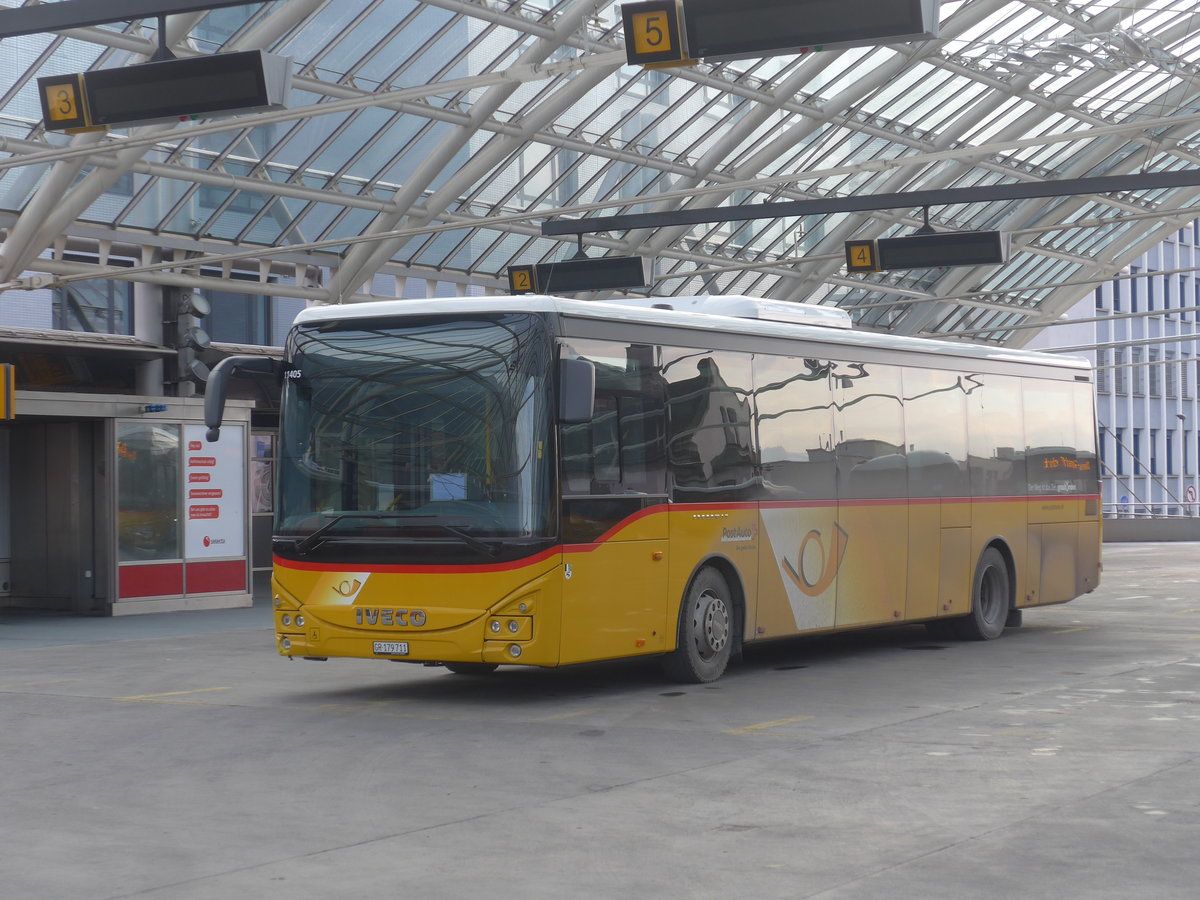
[992, 595]
[711, 621]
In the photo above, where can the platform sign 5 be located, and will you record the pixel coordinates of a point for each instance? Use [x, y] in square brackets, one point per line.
[652, 33]
[862, 256]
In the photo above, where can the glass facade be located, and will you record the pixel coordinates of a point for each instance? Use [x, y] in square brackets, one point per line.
[429, 141]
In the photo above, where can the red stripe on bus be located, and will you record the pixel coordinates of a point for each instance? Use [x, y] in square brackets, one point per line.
[418, 569]
[625, 523]
[921, 501]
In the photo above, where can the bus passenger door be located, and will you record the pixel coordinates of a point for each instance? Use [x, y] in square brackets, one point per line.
[872, 471]
[939, 520]
[801, 538]
[614, 511]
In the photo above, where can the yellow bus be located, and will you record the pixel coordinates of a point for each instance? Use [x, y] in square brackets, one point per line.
[542, 482]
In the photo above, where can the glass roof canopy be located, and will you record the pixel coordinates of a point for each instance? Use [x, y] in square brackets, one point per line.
[431, 139]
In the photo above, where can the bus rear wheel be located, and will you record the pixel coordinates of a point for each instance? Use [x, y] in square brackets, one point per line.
[991, 599]
[705, 638]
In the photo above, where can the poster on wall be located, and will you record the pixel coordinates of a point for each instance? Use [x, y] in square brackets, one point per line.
[214, 493]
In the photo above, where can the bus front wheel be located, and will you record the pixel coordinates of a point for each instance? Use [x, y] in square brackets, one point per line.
[991, 596]
[705, 638]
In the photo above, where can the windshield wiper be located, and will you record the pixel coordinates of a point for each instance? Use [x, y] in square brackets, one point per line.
[307, 543]
[473, 542]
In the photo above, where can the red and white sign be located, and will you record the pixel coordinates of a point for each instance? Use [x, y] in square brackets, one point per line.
[215, 516]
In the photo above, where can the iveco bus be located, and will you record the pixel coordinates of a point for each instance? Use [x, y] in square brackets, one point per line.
[539, 481]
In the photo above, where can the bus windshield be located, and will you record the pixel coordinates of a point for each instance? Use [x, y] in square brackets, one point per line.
[407, 433]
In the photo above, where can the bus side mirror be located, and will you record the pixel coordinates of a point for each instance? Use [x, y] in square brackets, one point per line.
[576, 391]
[217, 387]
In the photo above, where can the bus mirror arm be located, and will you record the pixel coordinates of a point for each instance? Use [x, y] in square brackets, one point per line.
[576, 391]
[217, 388]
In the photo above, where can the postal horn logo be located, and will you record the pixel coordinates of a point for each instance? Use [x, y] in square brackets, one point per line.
[815, 567]
[347, 588]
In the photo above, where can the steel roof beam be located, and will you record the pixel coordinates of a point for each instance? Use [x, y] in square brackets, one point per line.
[903, 200]
[46, 17]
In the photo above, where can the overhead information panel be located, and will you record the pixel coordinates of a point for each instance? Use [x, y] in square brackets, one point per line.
[181, 88]
[928, 251]
[720, 29]
[574, 275]
[953, 248]
[652, 34]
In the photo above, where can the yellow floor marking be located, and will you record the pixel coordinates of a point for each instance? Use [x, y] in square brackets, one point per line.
[25, 684]
[160, 698]
[1080, 628]
[763, 726]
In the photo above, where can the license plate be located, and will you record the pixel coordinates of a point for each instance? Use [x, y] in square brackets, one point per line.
[391, 648]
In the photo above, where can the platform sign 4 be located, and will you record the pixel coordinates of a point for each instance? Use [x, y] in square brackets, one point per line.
[652, 34]
[862, 256]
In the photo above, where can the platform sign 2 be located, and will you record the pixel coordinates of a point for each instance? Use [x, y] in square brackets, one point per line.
[522, 280]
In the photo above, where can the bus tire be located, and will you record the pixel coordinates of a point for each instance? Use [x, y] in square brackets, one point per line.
[991, 596]
[471, 668]
[705, 638]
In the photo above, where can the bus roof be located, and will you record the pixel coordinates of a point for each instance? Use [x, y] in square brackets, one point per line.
[764, 320]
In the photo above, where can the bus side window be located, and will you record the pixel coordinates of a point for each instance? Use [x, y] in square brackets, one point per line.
[606, 445]
[795, 428]
[996, 430]
[708, 426]
[621, 450]
[935, 427]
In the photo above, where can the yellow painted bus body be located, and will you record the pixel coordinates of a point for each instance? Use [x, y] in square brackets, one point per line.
[796, 569]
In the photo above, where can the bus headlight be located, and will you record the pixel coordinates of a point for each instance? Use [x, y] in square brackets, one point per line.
[514, 650]
[285, 619]
[515, 628]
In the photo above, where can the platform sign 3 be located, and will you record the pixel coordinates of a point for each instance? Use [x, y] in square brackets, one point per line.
[652, 33]
[64, 106]
[862, 256]
[522, 280]
[8, 388]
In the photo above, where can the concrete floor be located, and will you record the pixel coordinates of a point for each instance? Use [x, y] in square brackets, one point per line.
[175, 757]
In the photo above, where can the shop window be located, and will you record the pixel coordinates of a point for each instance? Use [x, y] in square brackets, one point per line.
[147, 491]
